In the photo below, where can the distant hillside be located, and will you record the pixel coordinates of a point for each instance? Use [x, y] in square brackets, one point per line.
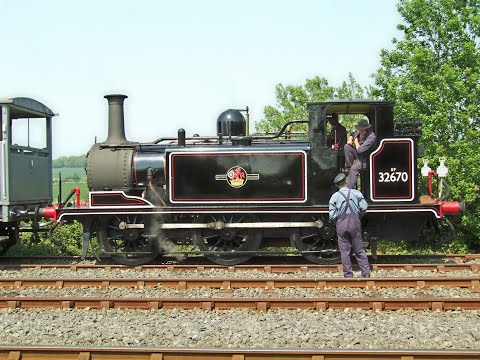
[79, 161]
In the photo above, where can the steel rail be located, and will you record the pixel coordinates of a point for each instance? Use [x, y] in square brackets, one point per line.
[458, 258]
[12, 352]
[280, 268]
[259, 304]
[230, 284]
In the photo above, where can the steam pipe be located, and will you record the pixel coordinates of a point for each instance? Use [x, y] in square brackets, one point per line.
[116, 121]
[75, 191]
[60, 187]
[247, 123]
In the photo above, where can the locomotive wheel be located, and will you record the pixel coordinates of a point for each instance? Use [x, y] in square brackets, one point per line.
[229, 240]
[116, 239]
[314, 239]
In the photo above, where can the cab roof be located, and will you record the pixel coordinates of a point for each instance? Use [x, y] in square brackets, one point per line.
[350, 106]
[23, 107]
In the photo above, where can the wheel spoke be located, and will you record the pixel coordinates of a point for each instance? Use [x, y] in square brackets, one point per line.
[242, 234]
[315, 243]
[223, 246]
[239, 241]
[308, 236]
[215, 246]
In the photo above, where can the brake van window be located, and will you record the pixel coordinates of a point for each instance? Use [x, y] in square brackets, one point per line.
[29, 133]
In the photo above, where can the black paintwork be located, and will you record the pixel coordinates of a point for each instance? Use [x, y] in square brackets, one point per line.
[115, 199]
[393, 178]
[281, 176]
[249, 174]
[149, 157]
[231, 122]
[279, 180]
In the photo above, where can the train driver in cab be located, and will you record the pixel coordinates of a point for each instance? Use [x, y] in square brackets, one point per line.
[337, 139]
[358, 148]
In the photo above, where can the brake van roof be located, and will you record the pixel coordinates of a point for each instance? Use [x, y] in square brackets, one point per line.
[26, 107]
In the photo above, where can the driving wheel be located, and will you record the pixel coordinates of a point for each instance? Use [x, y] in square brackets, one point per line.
[127, 246]
[318, 245]
[225, 245]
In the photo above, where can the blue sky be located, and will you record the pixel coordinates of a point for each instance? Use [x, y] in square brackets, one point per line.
[180, 62]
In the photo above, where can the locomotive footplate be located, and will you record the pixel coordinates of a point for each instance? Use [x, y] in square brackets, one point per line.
[79, 213]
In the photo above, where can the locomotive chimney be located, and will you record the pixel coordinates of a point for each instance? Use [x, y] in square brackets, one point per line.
[116, 128]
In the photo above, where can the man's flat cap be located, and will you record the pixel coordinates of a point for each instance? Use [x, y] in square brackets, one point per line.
[339, 178]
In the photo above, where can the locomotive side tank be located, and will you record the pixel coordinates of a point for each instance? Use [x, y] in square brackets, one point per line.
[230, 174]
[230, 195]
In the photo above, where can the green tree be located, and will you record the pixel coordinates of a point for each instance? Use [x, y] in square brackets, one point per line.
[434, 73]
[70, 161]
[351, 89]
[292, 103]
[292, 100]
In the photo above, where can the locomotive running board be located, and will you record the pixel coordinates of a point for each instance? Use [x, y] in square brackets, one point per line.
[78, 213]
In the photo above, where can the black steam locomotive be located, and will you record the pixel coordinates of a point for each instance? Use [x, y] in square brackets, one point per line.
[232, 196]
[225, 194]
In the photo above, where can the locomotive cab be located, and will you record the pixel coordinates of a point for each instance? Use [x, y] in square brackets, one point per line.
[389, 180]
[386, 155]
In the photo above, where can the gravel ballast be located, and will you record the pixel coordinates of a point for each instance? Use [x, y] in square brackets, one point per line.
[348, 329]
[162, 292]
[330, 329]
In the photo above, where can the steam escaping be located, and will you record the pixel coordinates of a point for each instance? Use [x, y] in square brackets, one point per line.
[161, 242]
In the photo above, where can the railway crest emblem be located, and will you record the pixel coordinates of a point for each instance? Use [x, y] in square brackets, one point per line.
[237, 176]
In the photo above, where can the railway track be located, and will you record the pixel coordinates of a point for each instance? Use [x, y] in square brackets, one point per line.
[230, 284]
[140, 353]
[261, 260]
[30, 302]
[50, 300]
[280, 268]
[259, 304]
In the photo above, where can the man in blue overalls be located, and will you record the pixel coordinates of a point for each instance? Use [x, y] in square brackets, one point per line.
[345, 208]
